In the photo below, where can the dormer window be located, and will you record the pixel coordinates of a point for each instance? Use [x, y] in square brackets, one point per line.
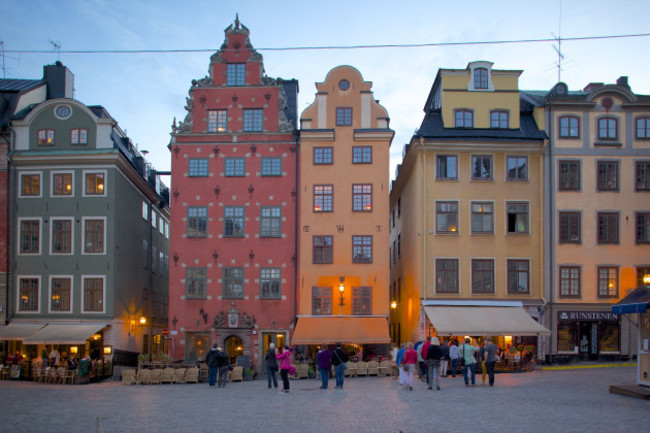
[480, 78]
[464, 119]
[236, 74]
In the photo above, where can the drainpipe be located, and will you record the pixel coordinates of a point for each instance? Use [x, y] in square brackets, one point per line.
[296, 135]
[12, 139]
[551, 204]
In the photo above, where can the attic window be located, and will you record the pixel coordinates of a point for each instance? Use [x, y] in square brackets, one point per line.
[480, 78]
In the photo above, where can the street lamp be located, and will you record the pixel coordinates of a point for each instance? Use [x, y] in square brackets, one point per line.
[341, 290]
[393, 305]
[646, 280]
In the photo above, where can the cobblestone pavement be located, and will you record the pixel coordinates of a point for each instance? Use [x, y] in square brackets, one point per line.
[540, 401]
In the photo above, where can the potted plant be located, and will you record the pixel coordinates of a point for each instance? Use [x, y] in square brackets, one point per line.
[142, 358]
[249, 374]
[163, 357]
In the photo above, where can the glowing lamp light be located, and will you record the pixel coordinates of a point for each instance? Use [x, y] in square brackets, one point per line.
[100, 187]
[143, 320]
[646, 279]
[393, 305]
[108, 350]
[341, 288]
[452, 228]
[74, 349]
[368, 206]
[96, 337]
[317, 208]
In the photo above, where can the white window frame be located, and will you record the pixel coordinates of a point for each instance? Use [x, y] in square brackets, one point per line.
[145, 211]
[85, 172]
[83, 235]
[40, 236]
[52, 174]
[71, 219]
[20, 184]
[161, 225]
[154, 218]
[83, 294]
[49, 295]
[40, 300]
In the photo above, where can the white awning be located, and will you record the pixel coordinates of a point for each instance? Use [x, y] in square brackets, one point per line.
[483, 320]
[19, 331]
[65, 334]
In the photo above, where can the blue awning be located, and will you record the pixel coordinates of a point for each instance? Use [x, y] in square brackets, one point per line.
[636, 302]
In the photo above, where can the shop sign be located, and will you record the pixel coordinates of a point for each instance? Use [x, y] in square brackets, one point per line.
[586, 315]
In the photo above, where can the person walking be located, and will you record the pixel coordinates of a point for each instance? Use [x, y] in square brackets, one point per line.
[468, 351]
[410, 361]
[480, 362]
[490, 359]
[223, 363]
[339, 359]
[284, 356]
[454, 357]
[399, 359]
[422, 358]
[271, 366]
[433, 359]
[211, 361]
[444, 361]
[324, 362]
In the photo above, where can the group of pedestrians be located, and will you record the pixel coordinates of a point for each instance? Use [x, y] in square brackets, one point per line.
[432, 357]
[218, 365]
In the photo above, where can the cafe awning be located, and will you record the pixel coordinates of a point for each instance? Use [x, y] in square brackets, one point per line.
[483, 320]
[359, 330]
[19, 331]
[637, 301]
[65, 333]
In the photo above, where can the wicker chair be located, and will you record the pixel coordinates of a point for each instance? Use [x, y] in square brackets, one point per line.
[351, 370]
[70, 375]
[179, 375]
[36, 373]
[373, 368]
[143, 376]
[385, 367]
[128, 377]
[236, 374]
[362, 368]
[154, 376]
[192, 375]
[166, 375]
[302, 371]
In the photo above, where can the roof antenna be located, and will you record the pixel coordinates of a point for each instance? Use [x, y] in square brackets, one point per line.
[558, 48]
[57, 46]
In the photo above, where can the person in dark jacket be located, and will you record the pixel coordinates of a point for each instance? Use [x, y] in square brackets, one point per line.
[223, 364]
[339, 358]
[324, 362]
[434, 355]
[444, 362]
[271, 366]
[211, 362]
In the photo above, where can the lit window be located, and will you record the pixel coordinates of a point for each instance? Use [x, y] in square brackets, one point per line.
[30, 185]
[447, 217]
[217, 120]
[62, 184]
[323, 198]
[79, 136]
[95, 183]
[482, 217]
[607, 282]
[29, 290]
[362, 198]
[60, 297]
[46, 137]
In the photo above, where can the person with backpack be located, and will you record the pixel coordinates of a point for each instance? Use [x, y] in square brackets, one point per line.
[271, 366]
[433, 358]
[339, 359]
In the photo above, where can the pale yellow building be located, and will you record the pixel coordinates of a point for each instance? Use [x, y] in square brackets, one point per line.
[467, 229]
[343, 277]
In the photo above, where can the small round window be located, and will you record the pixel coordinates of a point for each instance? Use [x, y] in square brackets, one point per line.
[344, 84]
[63, 111]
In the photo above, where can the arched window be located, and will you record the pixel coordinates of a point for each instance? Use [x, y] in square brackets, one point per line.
[608, 128]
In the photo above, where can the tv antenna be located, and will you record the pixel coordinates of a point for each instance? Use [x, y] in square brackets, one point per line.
[558, 47]
[4, 56]
[57, 46]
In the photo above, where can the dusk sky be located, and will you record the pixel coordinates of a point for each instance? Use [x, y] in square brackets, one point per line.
[144, 92]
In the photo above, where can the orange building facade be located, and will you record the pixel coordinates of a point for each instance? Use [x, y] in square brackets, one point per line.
[343, 276]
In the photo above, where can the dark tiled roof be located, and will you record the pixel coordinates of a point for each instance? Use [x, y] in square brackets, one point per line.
[432, 127]
[13, 85]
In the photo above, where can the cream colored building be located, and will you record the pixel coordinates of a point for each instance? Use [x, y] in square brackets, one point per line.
[467, 228]
[343, 200]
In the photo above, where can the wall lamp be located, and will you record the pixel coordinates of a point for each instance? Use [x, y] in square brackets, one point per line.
[341, 290]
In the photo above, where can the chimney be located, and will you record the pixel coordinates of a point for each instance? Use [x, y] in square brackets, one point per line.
[622, 81]
[59, 80]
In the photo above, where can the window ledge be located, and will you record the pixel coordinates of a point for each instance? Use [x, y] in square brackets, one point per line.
[608, 143]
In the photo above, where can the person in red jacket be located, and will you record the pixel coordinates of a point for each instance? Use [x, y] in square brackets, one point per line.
[424, 349]
[409, 362]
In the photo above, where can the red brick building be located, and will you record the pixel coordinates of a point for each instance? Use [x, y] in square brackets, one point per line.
[233, 220]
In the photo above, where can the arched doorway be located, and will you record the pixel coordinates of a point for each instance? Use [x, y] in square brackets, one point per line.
[234, 347]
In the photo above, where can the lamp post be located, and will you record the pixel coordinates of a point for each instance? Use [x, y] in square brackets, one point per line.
[341, 290]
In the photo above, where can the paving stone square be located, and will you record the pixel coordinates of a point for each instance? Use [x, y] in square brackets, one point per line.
[573, 400]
